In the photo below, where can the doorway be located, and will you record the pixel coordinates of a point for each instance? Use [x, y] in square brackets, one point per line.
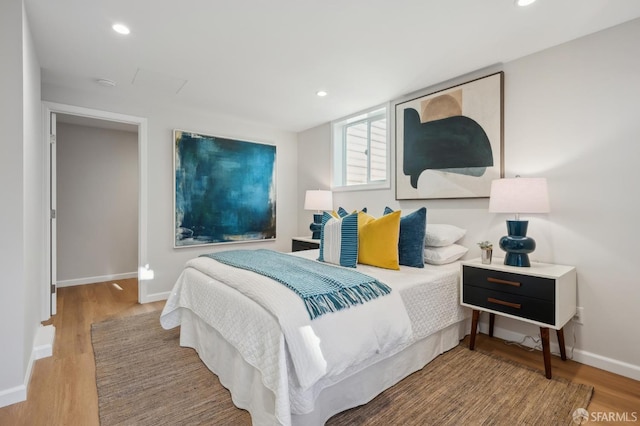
[85, 116]
[96, 200]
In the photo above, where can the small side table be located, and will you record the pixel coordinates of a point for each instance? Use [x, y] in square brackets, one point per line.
[304, 243]
[542, 294]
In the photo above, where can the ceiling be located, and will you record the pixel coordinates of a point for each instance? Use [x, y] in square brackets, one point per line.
[264, 61]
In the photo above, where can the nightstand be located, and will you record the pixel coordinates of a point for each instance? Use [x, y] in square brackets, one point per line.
[542, 294]
[304, 243]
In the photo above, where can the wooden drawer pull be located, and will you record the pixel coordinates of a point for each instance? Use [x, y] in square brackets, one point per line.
[502, 302]
[499, 281]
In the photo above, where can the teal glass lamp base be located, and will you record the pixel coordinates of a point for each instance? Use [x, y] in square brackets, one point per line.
[316, 226]
[517, 259]
[517, 245]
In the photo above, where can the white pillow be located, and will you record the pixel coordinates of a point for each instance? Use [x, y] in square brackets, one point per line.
[444, 255]
[440, 235]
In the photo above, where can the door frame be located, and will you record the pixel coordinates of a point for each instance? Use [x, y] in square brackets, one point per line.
[141, 122]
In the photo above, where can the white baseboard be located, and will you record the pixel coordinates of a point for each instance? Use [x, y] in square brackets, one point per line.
[43, 345]
[154, 297]
[594, 360]
[98, 279]
[13, 395]
[42, 348]
[612, 365]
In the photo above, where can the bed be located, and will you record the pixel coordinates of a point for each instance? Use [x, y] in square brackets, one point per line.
[303, 372]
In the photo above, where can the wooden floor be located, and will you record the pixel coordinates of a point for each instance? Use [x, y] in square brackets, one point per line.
[62, 390]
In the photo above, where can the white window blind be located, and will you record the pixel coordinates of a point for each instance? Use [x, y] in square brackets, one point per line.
[361, 150]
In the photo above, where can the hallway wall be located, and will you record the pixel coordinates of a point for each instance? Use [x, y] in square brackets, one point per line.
[97, 200]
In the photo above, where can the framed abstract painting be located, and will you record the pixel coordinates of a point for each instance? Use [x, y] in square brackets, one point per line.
[224, 190]
[449, 144]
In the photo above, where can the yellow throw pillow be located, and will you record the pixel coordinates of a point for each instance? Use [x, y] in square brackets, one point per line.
[378, 240]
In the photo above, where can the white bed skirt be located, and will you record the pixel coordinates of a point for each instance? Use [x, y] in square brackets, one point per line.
[248, 392]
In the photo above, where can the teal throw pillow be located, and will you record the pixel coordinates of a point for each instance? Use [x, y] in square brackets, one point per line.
[412, 235]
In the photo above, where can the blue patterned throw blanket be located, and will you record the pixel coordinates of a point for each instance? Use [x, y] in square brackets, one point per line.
[323, 288]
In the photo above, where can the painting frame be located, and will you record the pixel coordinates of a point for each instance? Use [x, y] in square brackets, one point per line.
[450, 143]
[224, 190]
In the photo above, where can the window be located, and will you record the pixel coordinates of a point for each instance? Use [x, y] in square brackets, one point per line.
[361, 151]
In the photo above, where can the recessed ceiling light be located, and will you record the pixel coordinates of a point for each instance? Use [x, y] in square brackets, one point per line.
[321, 93]
[121, 29]
[524, 2]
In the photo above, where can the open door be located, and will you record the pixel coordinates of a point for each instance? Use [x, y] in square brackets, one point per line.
[49, 137]
[52, 217]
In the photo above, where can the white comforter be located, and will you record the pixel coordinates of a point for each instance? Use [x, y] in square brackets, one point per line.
[318, 349]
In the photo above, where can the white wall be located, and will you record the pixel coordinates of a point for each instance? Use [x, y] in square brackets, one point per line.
[12, 195]
[33, 173]
[97, 203]
[21, 194]
[163, 259]
[571, 115]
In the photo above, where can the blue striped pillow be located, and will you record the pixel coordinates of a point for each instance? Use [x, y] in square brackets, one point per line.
[342, 212]
[339, 240]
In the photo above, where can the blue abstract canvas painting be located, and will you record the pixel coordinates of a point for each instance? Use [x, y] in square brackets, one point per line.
[225, 190]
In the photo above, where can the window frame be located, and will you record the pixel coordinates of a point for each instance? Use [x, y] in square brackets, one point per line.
[338, 148]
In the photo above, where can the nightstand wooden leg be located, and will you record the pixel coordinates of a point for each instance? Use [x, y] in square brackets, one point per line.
[492, 321]
[474, 329]
[563, 351]
[546, 351]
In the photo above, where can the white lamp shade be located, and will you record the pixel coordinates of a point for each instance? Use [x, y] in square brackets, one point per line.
[519, 195]
[318, 200]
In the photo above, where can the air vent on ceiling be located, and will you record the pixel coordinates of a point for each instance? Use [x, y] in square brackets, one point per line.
[158, 81]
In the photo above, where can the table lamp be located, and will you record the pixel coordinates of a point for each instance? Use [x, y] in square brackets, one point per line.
[317, 200]
[518, 195]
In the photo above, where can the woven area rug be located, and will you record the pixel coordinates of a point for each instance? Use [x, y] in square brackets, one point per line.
[145, 378]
